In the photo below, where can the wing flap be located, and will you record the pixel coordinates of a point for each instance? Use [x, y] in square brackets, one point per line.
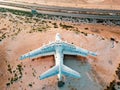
[51, 72]
[44, 54]
[69, 72]
[74, 50]
[75, 53]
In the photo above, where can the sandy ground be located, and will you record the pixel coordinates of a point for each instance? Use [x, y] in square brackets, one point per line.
[21, 36]
[99, 4]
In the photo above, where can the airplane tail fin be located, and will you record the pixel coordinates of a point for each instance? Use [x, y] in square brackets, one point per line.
[51, 72]
[69, 72]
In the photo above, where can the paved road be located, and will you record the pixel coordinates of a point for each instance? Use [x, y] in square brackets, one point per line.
[65, 11]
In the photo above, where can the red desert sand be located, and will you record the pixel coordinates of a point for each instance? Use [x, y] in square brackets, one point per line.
[21, 35]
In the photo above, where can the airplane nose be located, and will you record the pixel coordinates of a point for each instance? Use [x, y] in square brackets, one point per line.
[57, 34]
[58, 37]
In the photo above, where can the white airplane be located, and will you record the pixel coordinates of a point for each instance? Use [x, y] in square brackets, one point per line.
[58, 48]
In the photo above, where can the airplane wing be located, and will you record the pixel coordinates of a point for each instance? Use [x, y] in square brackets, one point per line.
[43, 51]
[74, 50]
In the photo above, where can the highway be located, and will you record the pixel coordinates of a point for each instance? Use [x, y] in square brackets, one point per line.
[64, 11]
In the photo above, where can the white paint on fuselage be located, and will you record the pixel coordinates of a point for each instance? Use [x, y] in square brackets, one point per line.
[59, 59]
[59, 55]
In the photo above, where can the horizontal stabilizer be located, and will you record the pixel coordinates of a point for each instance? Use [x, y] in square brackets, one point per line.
[69, 72]
[51, 72]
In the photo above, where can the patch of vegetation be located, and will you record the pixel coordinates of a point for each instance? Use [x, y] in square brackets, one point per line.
[3, 36]
[4, 28]
[39, 29]
[16, 33]
[43, 21]
[34, 74]
[49, 21]
[66, 26]
[9, 69]
[86, 28]
[103, 38]
[118, 72]
[77, 31]
[112, 84]
[17, 12]
[16, 74]
[55, 25]
[30, 85]
[112, 39]
[7, 84]
[43, 88]
[84, 33]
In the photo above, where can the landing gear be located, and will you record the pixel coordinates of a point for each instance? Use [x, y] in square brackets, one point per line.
[61, 83]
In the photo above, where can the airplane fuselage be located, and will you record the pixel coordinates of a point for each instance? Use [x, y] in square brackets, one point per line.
[59, 59]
